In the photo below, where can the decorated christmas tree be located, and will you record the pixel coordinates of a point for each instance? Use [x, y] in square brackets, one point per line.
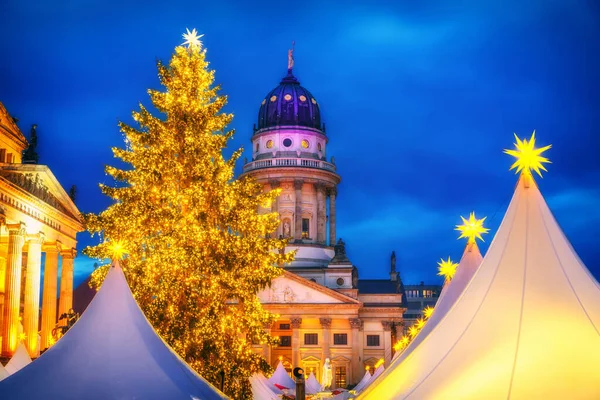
[198, 248]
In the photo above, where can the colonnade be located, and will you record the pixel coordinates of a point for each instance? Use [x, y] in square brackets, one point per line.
[21, 242]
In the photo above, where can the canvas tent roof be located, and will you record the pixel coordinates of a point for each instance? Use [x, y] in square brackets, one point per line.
[312, 384]
[526, 326]
[3, 372]
[281, 377]
[363, 382]
[111, 352]
[19, 360]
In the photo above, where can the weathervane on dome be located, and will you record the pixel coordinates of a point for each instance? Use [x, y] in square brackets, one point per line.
[291, 57]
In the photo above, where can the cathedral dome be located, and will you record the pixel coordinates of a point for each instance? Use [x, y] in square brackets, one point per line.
[289, 104]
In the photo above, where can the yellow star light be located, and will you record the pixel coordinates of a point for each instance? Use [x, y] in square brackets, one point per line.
[447, 268]
[471, 228]
[420, 323]
[528, 157]
[427, 311]
[22, 336]
[412, 331]
[192, 39]
[117, 250]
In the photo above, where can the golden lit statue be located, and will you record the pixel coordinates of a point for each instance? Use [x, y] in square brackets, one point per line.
[291, 57]
[327, 375]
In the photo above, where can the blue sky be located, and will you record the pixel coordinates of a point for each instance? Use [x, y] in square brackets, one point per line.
[419, 99]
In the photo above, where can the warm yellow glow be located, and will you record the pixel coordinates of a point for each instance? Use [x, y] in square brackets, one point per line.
[22, 336]
[427, 311]
[471, 228]
[420, 323]
[192, 39]
[117, 249]
[380, 362]
[412, 331]
[528, 157]
[367, 367]
[280, 358]
[447, 268]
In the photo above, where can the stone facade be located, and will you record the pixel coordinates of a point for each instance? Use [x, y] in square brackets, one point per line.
[36, 216]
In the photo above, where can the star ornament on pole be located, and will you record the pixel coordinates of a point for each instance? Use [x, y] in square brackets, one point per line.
[528, 157]
[117, 250]
[447, 268]
[471, 228]
[192, 39]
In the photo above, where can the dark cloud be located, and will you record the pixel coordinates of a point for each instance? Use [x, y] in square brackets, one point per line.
[419, 101]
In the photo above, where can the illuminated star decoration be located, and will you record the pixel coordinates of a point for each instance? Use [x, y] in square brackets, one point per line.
[528, 157]
[192, 39]
[427, 311]
[117, 250]
[471, 228]
[22, 336]
[447, 268]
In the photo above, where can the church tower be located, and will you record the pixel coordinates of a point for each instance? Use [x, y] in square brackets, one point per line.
[289, 151]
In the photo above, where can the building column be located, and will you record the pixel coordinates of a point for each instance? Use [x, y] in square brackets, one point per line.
[65, 302]
[12, 294]
[332, 235]
[296, 322]
[31, 312]
[326, 331]
[49, 293]
[2, 290]
[321, 212]
[357, 371]
[387, 342]
[275, 184]
[298, 212]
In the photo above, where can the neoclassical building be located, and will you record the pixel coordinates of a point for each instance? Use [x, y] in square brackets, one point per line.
[325, 310]
[38, 220]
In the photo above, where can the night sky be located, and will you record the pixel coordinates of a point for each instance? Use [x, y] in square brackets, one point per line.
[419, 102]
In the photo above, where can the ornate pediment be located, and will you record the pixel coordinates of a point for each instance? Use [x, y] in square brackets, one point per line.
[293, 289]
[39, 182]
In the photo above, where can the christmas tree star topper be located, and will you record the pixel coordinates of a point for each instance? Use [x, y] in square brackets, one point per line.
[471, 228]
[528, 157]
[192, 39]
[447, 268]
[117, 250]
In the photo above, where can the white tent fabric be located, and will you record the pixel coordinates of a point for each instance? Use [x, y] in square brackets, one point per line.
[469, 263]
[312, 386]
[363, 382]
[3, 372]
[260, 391]
[281, 377]
[111, 352]
[268, 384]
[19, 360]
[526, 326]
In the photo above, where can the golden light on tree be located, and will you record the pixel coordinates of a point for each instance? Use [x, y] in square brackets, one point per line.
[447, 268]
[472, 228]
[117, 249]
[198, 249]
[528, 156]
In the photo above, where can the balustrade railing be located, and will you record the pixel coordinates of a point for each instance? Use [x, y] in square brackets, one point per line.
[289, 162]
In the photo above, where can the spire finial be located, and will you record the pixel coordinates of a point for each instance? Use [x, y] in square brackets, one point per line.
[291, 57]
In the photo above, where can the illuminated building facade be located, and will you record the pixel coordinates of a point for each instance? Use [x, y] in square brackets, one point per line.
[325, 310]
[38, 221]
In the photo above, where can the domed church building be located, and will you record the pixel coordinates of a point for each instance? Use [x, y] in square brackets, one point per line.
[325, 310]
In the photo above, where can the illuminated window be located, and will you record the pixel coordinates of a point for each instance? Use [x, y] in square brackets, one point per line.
[263, 102]
[287, 97]
[305, 143]
[287, 142]
[285, 341]
[340, 377]
[305, 228]
[340, 338]
[313, 101]
[9, 158]
[373, 340]
[311, 339]
[269, 144]
[2, 155]
[273, 98]
[302, 98]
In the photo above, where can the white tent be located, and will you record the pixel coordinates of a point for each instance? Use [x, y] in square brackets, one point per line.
[3, 372]
[281, 377]
[19, 360]
[363, 382]
[526, 326]
[111, 352]
[261, 391]
[312, 385]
